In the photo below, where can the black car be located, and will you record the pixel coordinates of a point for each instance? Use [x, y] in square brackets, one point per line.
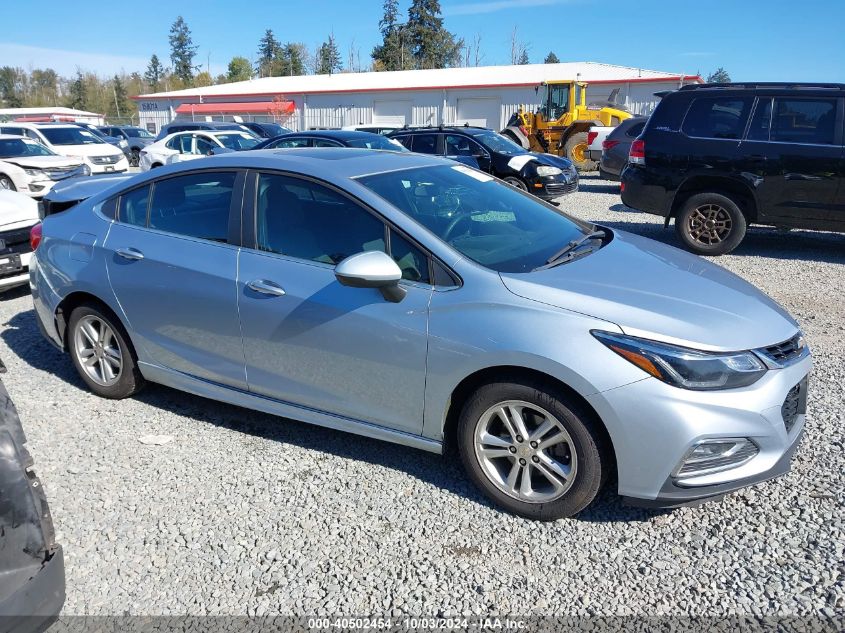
[544, 175]
[136, 137]
[615, 148]
[717, 157]
[332, 138]
[266, 130]
[32, 570]
[186, 126]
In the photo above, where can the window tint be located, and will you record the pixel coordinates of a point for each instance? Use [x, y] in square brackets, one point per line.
[761, 121]
[290, 142]
[196, 205]
[180, 143]
[412, 261]
[425, 143]
[804, 121]
[133, 206]
[204, 146]
[635, 130]
[405, 140]
[321, 142]
[307, 220]
[460, 146]
[722, 117]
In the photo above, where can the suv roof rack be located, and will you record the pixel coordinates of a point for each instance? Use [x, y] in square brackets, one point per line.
[783, 85]
[443, 126]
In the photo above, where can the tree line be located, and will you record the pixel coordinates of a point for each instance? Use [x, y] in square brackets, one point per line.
[418, 39]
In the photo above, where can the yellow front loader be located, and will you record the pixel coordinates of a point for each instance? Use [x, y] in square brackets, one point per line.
[561, 124]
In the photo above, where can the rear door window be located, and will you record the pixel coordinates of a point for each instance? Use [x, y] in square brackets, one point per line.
[405, 139]
[196, 205]
[810, 121]
[635, 130]
[717, 117]
[761, 122]
[425, 143]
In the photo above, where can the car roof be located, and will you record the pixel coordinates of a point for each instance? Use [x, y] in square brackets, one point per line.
[335, 134]
[14, 137]
[465, 129]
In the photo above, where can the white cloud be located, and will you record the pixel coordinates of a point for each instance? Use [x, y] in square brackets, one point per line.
[477, 8]
[66, 62]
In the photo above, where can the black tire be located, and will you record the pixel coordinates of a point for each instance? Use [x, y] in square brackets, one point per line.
[6, 183]
[134, 158]
[579, 159]
[154, 165]
[516, 182]
[593, 463]
[694, 229]
[130, 380]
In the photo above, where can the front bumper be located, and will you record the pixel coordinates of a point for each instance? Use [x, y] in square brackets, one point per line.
[120, 165]
[551, 187]
[653, 426]
[37, 603]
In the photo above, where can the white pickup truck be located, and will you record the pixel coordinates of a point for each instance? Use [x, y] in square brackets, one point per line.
[595, 137]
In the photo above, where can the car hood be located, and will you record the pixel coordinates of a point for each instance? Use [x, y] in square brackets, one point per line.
[517, 164]
[42, 162]
[16, 208]
[93, 149]
[659, 292]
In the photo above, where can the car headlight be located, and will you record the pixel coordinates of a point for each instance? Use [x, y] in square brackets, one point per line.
[547, 170]
[684, 367]
[32, 172]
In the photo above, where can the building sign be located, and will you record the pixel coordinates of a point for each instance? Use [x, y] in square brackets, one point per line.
[150, 106]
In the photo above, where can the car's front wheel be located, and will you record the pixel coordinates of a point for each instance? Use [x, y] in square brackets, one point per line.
[101, 353]
[6, 183]
[135, 158]
[516, 182]
[710, 224]
[531, 449]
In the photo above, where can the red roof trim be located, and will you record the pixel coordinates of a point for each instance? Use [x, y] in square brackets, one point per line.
[251, 107]
[393, 89]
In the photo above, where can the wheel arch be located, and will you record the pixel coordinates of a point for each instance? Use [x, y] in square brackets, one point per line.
[512, 373]
[77, 298]
[737, 190]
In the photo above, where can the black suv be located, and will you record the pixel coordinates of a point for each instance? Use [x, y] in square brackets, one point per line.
[544, 175]
[717, 157]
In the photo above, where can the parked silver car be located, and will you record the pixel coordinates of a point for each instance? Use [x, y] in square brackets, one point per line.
[410, 299]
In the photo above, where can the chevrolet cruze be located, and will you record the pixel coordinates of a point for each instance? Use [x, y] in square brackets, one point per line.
[412, 299]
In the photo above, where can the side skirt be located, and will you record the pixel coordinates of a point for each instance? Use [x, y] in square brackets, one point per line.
[214, 391]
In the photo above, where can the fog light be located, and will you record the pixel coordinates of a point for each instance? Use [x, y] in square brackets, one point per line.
[713, 456]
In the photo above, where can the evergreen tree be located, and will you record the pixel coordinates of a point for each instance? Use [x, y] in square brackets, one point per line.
[120, 102]
[394, 52]
[182, 51]
[719, 76]
[78, 92]
[291, 60]
[551, 58]
[431, 44]
[269, 50]
[9, 84]
[239, 70]
[155, 73]
[328, 58]
[523, 58]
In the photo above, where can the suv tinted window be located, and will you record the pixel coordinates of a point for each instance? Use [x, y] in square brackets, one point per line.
[196, 205]
[804, 121]
[717, 117]
[291, 142]
[405, 139]
[424, 143]
[303, 219]
[635, 130]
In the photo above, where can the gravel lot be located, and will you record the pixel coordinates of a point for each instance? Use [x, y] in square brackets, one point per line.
[243, 513]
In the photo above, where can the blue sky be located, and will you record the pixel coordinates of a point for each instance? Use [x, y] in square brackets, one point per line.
[764, 40]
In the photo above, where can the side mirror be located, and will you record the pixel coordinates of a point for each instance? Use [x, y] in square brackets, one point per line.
[372, 269]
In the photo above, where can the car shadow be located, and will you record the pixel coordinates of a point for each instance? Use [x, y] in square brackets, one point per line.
[817, 246]
[597, 188]
[23, 338]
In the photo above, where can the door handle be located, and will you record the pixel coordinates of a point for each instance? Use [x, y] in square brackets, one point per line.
[130, 253]
[265, 287]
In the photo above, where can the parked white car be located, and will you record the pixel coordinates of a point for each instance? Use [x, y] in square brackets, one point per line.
[182, 146]
[18, 214]
[595, 138]
[31, 168]
[73, 141]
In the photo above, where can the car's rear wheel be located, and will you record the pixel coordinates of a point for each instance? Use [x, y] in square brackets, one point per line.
[134, 158]
[516, 182]
[710, 224]
[6, 183]
[101, 353]
[531, 450]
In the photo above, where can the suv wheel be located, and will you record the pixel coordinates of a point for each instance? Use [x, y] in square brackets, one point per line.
[99, 347]
[710, 224]
[516, 182]
[135, 158]
[531, 450]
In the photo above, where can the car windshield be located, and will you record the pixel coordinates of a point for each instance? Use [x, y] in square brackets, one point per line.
[70, 136]
[499, 144]
[480, 217]
[237, 141]
[136, 132]
[377, 142]
[19, 147]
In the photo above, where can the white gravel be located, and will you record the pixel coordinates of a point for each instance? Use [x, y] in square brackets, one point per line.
[243, 513]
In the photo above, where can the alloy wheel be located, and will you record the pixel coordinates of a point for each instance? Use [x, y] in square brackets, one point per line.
[525, 451]
[98, 351]
[6, 184]
[709, 224]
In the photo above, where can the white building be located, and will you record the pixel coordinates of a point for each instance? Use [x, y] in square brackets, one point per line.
[50, 113]
[485, 96]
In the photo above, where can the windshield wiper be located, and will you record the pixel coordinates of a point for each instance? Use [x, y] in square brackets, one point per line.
[566, 253]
